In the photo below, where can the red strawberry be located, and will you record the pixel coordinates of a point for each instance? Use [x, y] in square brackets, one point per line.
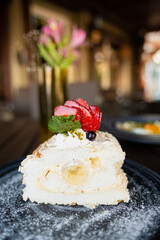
[86, 114]
[96, 112]
[97, 117]
[83, 103]
[89, 116]
[94, 124]
[86, 118]
[87, 126]
[65, 111]
[71, 103]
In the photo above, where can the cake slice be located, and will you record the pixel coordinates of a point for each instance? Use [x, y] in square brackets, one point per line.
[76, 166]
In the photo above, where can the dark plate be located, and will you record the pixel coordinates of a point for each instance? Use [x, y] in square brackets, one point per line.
[138, 219]
[110, 126]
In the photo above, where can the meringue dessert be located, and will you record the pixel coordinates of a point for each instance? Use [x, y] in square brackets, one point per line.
[78, 166]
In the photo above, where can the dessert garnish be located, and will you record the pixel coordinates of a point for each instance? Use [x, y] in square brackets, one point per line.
[89, 117]
[61, 124]
[91, 135]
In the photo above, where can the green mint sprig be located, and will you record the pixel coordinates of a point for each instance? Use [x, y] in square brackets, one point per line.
[62, 124]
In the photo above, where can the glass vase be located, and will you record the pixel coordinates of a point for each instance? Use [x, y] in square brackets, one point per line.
[52, 83]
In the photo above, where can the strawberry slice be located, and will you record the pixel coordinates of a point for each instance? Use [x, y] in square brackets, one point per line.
[94, 109]
[65, 111]
[83, 103]
[85, 111]
[97, 117]
[86, 118]
[72, 103]
[87, 126]
[92, 125]
[96, 112]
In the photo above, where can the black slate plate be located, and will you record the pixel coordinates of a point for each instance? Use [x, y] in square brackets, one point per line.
[138, 219]
[110, 126]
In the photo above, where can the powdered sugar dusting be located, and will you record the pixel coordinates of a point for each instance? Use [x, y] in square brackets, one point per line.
[138, 219]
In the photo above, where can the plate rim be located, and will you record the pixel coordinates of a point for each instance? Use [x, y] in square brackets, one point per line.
[109, 124]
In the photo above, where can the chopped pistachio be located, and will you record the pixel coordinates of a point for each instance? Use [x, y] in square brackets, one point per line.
[66, 134]
[79, 134]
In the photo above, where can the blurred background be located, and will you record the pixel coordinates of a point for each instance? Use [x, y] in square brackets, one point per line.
[119, 70]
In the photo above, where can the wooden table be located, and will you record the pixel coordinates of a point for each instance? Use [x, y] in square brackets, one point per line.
[17, 139]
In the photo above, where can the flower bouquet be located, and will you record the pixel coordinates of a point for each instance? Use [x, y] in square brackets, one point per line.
[58, 49]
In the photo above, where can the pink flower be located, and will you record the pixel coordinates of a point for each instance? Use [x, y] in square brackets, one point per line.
[65, 51]
[78, 37]
[44, 39]
[54, 30]
[54, 44]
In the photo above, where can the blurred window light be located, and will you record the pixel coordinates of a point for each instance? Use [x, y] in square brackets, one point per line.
[99, 57]
[148, 48]
[156, 57]
[152, 36]
[152, 81]
[145, 57]
[96, 36]
[151, 66]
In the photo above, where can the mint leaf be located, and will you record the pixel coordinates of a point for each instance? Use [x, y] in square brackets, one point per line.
[61, 124]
